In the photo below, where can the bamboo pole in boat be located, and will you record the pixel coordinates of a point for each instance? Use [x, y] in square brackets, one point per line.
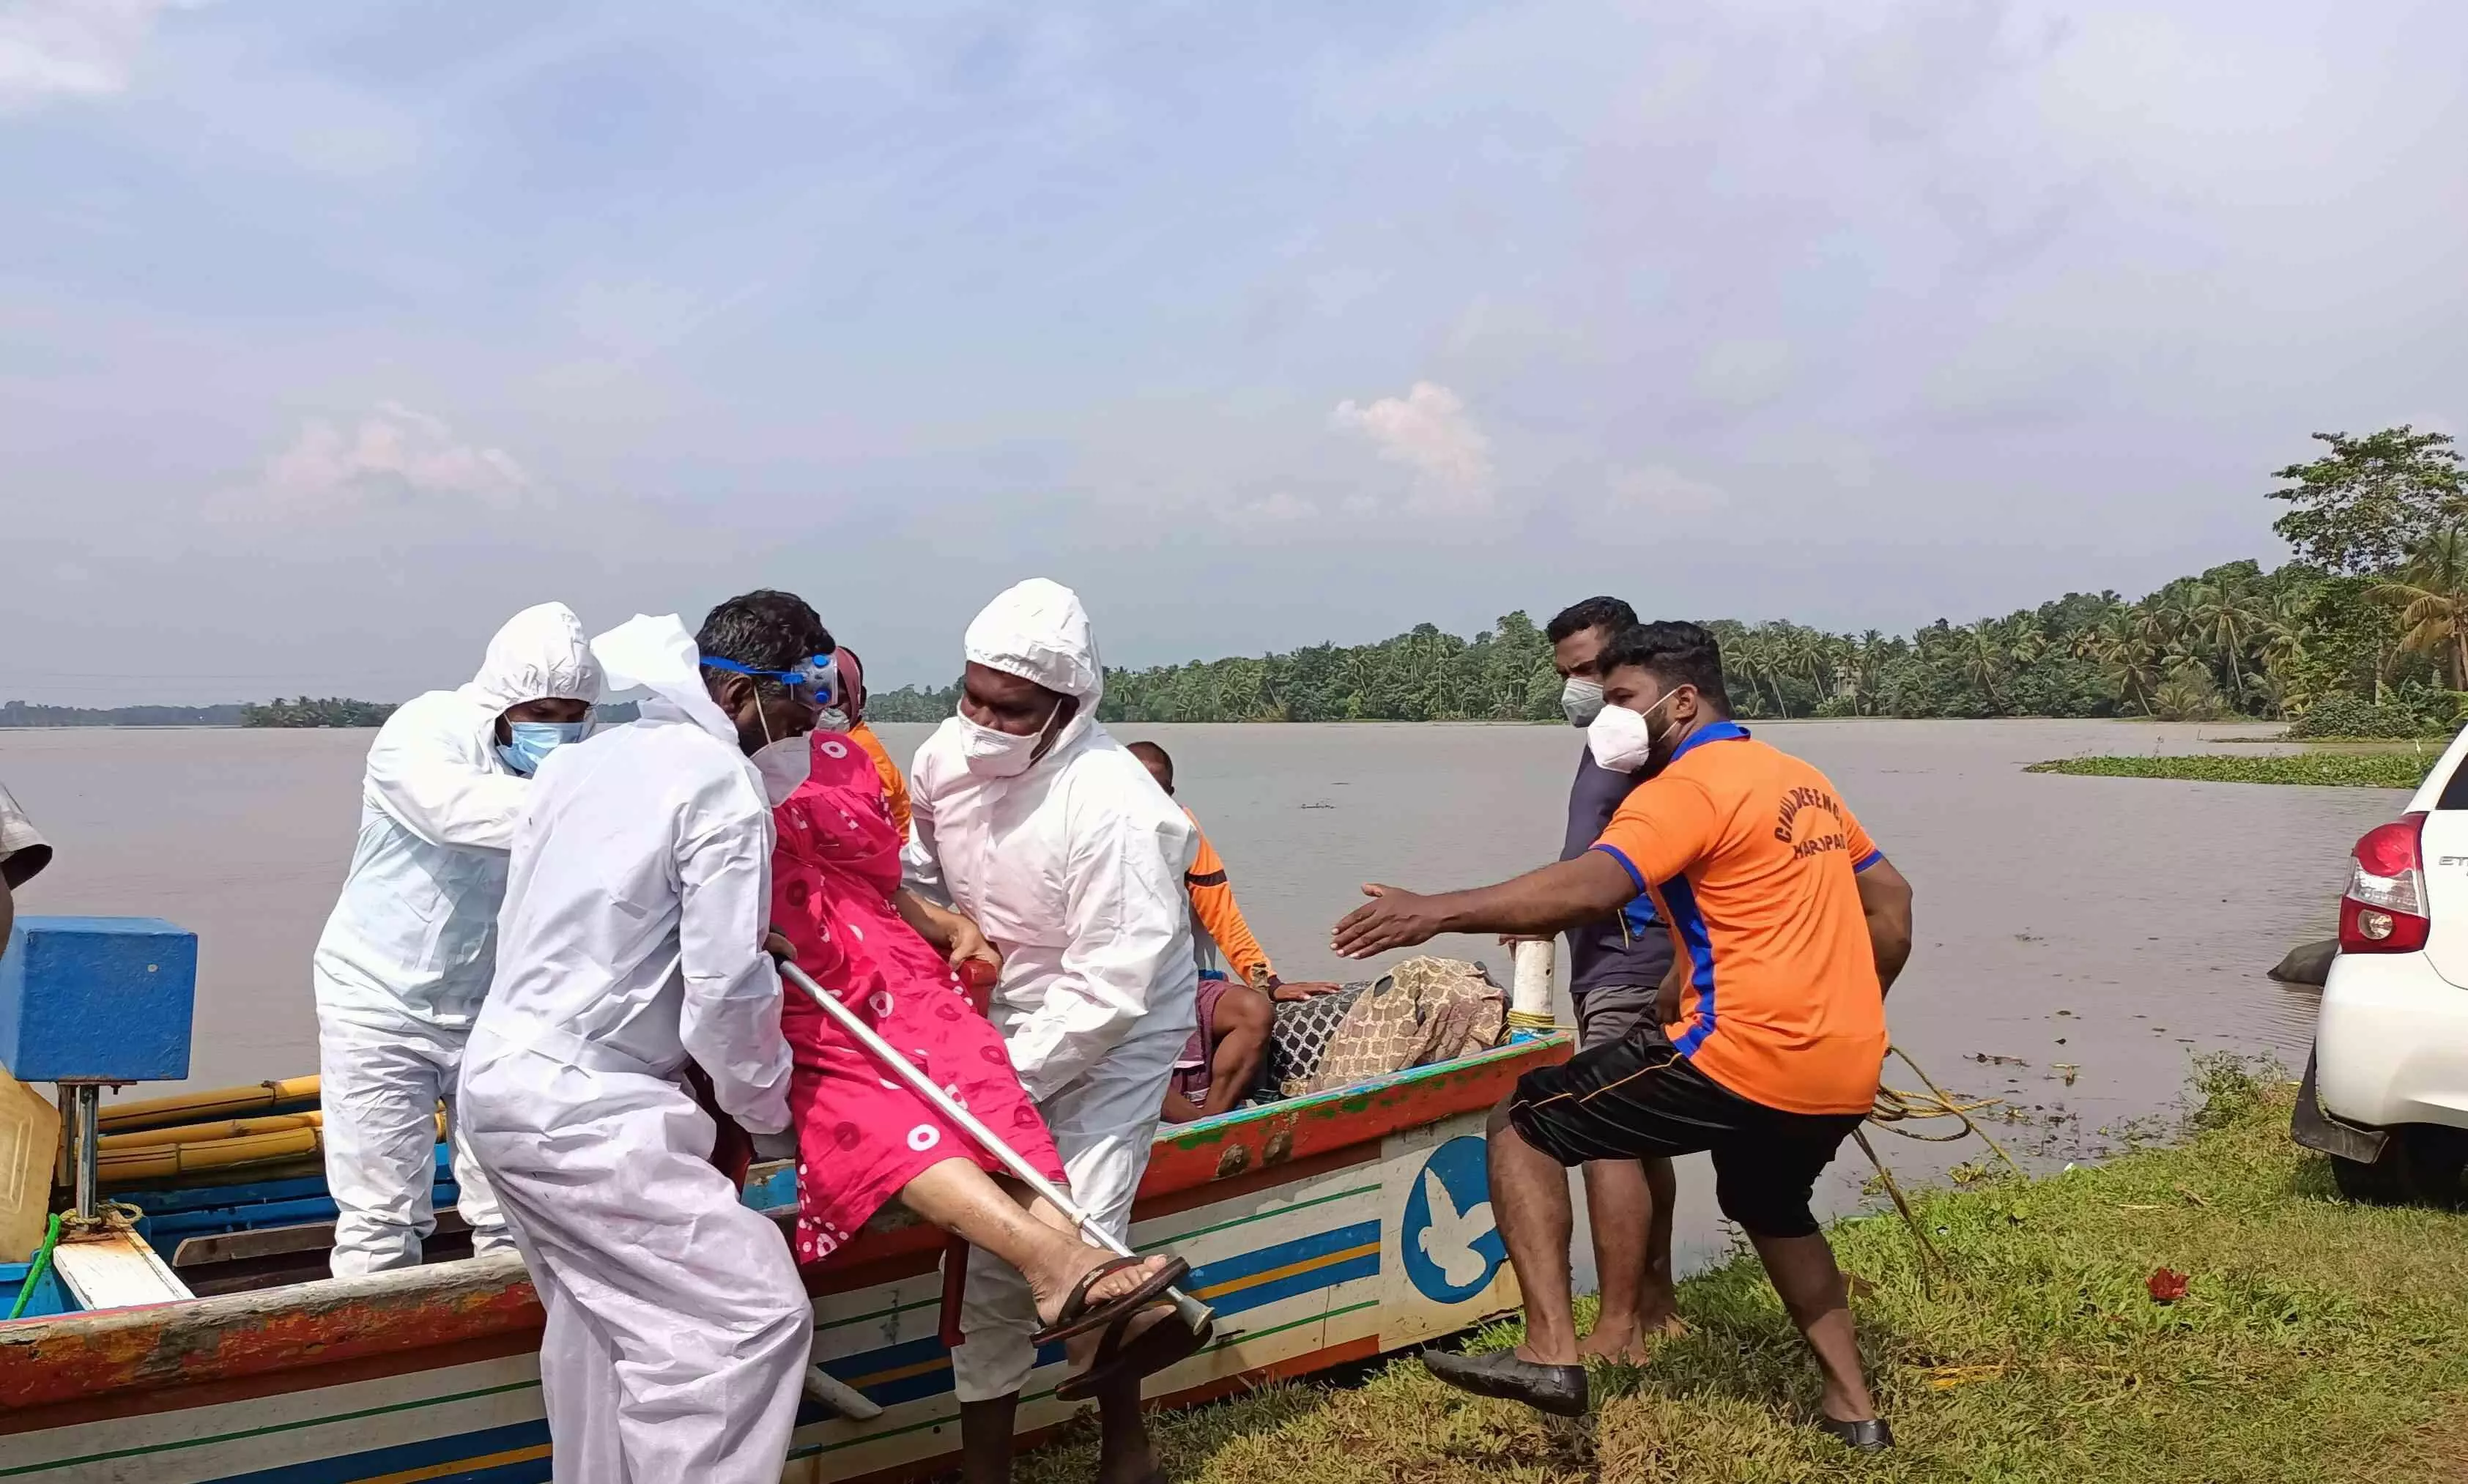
[265, 1097]
[164, 1161]
[201, 1133]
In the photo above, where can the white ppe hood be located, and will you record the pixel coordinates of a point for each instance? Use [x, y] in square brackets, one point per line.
[1073, 868]
[540, 654]
[1038, 630]
[413, 933]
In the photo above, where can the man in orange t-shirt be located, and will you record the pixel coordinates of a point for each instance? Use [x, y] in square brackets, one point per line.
[1788, 926]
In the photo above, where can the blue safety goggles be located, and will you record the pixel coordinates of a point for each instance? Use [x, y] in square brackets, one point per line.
[817, 682]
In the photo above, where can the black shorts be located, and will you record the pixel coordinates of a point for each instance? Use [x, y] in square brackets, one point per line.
[1639, 1097]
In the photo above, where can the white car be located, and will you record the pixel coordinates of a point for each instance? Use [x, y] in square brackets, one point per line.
[2386, 1093]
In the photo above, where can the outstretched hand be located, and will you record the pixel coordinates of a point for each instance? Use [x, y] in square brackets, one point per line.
[1394, 917]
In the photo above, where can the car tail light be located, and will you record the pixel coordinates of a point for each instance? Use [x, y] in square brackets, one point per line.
[2383, 910]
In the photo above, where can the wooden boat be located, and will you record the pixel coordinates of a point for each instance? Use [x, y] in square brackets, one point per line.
[1325, 1230]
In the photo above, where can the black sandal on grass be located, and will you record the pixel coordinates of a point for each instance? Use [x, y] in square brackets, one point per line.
[1557, 1389]
[1868, 1436]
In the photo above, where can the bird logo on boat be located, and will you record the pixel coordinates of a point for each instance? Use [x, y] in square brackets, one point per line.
[1450, 1245]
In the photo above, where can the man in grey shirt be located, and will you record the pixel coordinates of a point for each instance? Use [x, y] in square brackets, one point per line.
[1615, 972]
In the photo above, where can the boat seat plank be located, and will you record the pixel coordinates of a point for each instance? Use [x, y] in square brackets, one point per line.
[115, 1271]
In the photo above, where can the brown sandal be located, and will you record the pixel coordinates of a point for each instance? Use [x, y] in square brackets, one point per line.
[1078, 1315]
[1167, 1342]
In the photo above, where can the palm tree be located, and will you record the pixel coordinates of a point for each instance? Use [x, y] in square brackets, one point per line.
[1984, 656]
[2431, 594]
[2224, 618]
[1867, 668]
[2122, 646]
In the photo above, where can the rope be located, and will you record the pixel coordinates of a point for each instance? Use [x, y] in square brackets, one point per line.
[1895, 1106]
[36, 1270]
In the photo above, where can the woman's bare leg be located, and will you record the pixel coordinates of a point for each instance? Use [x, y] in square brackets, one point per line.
[1035, 1238]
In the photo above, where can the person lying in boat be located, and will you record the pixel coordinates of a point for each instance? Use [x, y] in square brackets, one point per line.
[1221, 1066]
[863, 1139]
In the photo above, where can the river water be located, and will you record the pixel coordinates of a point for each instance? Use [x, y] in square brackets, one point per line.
[2099, 928]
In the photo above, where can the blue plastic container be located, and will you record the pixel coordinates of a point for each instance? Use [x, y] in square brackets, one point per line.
[97, 999]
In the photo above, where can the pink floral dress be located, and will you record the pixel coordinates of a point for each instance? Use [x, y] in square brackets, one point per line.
[862, 1136]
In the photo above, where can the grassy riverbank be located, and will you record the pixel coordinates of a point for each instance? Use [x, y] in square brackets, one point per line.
[2337, 769]
[2316, 1341]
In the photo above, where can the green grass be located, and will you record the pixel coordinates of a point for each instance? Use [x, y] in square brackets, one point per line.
[2338, 769]
[2317, 1341]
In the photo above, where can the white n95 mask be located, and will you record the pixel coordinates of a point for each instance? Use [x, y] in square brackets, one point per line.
[1619, 740]
[785, 766]
[1581, 700]
[994, 754]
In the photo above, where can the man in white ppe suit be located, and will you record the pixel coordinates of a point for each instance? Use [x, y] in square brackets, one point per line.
[1031, 820]
[678, 1332]
[407, 952]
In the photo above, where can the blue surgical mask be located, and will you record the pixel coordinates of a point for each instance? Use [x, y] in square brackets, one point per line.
[534, 741]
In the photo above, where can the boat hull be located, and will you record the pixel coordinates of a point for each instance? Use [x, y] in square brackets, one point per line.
[1325, 1231]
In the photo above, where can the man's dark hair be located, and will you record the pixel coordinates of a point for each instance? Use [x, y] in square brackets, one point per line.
[1608, 614]
[766, 630]
[1150, 751]
[1675, 654]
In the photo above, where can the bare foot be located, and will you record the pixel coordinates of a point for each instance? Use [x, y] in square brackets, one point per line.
[1052, 1284]
[1632, 1344]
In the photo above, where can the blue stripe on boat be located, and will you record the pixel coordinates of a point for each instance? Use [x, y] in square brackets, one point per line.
[929, 1365]
[429, 1452]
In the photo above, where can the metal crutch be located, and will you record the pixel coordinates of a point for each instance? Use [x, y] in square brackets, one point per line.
[1193, 1312]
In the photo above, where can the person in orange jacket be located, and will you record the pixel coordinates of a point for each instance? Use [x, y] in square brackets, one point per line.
[1222, 1064]
[895, 788]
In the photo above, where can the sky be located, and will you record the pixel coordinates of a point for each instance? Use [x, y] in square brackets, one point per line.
[332, 334]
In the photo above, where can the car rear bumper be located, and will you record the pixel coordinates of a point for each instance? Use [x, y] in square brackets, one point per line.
[2390, 1047]
[2314, 1128]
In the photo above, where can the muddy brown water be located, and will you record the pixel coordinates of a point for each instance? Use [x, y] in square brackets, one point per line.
[2112, 926]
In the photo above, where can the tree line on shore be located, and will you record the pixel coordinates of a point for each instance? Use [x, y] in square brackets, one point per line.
[2363, 633]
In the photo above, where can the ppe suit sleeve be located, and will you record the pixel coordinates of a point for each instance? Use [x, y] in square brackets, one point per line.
[444, 800]
[1125, 916]
[921, 869]
[730, 1022]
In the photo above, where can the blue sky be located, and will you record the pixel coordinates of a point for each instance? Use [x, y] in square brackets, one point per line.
[330, 334]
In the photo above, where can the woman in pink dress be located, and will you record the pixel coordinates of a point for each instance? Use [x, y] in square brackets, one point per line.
[864, 1138]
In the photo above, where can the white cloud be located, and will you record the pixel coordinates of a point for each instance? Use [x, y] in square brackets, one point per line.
[1428, 430]
[1658, 490]
[397, 455]
[72, 48]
